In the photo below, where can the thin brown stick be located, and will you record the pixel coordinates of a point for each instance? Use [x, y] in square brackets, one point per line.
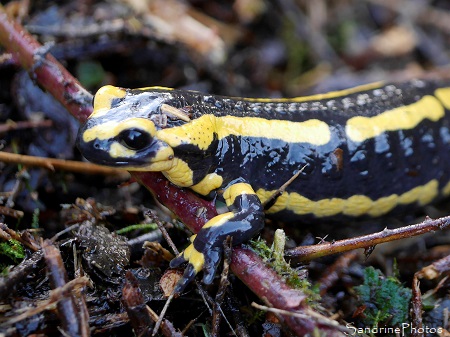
[307, 314]
[166, 236]
[416, 308]
[163, 230]
[23, 238]
[10, 125]
[272, 199]
[365, 241]
[436, 269]
[14, 213]
[55, 296]
[167, 329]
[68, 311]
[162, 314]
[333, 273]
[220, 295]
[17, 275]
[60, 164]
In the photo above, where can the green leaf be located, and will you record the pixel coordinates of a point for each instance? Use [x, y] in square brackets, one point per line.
[386, 300]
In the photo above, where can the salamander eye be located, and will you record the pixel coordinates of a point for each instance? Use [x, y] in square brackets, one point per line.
[134, 139]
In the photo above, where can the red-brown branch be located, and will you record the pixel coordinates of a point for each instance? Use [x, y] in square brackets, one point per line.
[45, 69]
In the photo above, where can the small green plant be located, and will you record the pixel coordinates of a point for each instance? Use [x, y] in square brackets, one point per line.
[274, 256]
[13, 250]
[35, 220]
[385, 299]
[147, 227]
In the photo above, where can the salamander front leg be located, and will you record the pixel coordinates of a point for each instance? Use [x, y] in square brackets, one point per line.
[242, 222]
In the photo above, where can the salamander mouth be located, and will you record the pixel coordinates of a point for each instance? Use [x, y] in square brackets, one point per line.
[143, 159]
[136, 165]
[101, 158]
[158, 156]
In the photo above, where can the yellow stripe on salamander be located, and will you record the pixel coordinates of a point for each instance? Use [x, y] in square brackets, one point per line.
[318, 97]
[446, 189]
[200, 132]
[312, 131]
[356, 205]
[361, 128]
[443, 94]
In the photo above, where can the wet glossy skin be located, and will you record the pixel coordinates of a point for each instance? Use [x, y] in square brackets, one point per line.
[364, 152]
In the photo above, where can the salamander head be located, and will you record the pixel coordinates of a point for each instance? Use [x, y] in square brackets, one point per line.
[123, 129]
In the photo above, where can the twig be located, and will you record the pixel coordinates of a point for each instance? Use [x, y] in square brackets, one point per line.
[208, 300]
[162, 314]
[8, 211]
[166, 327]
[222, 290]
[272, 199]
[163, 230]
[432, 271]
[166, 236]
[136, 242]
[386, 235]
[435, 269]
[56, 295]
[15, 277]
[60, 164]
[64, 231]
[191, 322]
[23, 238]
[68, 311]
[416, 307]
[307, 314]
[10, 125]
[333, 273]
[49, 73]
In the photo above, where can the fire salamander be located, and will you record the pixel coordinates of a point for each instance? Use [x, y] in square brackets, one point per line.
[362, 152]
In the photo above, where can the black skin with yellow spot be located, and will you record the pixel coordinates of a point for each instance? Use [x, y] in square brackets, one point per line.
[385, 167]
[246, 223]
